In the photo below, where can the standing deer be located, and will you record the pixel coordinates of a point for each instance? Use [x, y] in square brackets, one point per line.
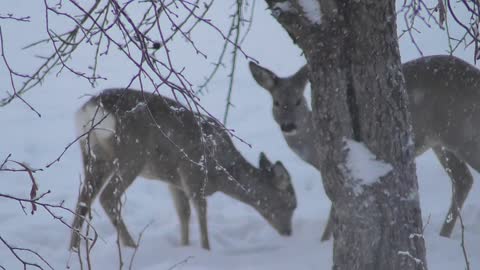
[444, 95]
[130, 133]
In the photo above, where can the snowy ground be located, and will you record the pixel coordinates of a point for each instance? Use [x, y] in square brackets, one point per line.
[240, 238]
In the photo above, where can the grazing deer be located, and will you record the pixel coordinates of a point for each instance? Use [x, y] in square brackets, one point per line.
[444, 94]
[130, 134]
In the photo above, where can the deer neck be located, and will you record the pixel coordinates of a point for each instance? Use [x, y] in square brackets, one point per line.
[302, 142]
[243, 181]
[306, 124]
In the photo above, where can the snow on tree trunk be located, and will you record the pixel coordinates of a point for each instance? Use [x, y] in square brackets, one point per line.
[359, 99]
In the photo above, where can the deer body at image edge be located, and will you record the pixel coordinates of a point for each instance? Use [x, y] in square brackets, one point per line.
[444, 95]
[132, 133]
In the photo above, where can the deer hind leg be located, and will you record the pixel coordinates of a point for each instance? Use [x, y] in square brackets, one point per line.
[97, 171]
[182, 206]
[461, 184]
[194, 185]
[124, 174]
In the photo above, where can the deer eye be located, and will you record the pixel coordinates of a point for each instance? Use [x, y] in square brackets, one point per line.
[298, 102]
[276, 104]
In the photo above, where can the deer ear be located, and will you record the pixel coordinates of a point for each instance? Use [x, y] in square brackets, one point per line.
[301, 77]
[263, 162]
[264, 77]
[281, 178]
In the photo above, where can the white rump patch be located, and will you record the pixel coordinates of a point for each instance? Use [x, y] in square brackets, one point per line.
[363, 164]
[95, 119]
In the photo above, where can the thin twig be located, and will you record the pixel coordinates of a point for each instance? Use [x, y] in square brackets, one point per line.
[130, 266]
[182, 262]
[462, 244]
[12, 74]
[14, 250]
[237, 18]
[15, 18]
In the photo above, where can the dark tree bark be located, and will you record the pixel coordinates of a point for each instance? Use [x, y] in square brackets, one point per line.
[358, 94]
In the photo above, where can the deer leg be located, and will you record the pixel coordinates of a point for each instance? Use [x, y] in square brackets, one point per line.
[182, 206]
[328, 231]
[96, 171]
[110, 198]
[461, 184]
[194, 186]
[200, 204]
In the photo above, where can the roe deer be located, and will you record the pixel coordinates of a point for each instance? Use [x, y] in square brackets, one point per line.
[444, 95]
[132, 134]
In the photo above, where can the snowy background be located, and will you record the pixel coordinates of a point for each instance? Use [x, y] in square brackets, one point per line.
[240, 238]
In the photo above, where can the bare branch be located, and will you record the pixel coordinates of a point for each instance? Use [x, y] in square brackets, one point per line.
[236, 25]
[49, 208]
[13, 73]
[417, 10]
[14, 251]
[15, 18]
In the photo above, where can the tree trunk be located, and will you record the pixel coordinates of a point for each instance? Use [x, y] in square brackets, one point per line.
[358, 95]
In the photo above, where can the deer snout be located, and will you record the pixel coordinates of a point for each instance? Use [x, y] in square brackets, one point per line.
[288, 128]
